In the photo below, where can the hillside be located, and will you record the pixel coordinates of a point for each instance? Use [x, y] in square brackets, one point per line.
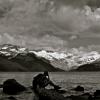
[8, 66]
[89, 67]
[25, 63]
[33, 63]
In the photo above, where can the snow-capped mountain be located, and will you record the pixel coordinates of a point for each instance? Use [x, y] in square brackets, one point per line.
[50, 55]
[68, 60]
[12, 50]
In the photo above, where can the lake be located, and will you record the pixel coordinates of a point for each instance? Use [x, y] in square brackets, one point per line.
[67, 80]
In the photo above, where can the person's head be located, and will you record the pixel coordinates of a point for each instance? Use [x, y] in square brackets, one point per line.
[46, 73]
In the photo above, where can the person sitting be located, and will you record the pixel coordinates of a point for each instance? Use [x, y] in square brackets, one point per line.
[43, 80]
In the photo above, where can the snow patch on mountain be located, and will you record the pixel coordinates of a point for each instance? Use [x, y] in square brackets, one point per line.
[12, 50]
[50, 55]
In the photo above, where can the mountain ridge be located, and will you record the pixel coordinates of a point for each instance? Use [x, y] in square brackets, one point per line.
[57, 61]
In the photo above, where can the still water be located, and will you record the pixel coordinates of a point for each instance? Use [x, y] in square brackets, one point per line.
[67, 80]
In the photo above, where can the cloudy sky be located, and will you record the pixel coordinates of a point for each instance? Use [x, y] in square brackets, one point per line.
[51, 24]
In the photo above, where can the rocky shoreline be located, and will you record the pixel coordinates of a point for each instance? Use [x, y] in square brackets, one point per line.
[13, 90]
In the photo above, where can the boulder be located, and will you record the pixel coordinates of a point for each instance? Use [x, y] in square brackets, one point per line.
[97, 95]
[90, 97]
[85, 96]
[12, 87]
[79, 88]
[12, 98]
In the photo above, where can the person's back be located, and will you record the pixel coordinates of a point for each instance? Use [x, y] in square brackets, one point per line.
[40, 80]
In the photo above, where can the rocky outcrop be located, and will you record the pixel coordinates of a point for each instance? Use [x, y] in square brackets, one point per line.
[80, 97]
[48, 94]
[12, 87]
[79, 88]
[97, 95]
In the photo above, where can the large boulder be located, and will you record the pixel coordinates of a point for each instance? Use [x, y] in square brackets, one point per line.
[97, 95]
[12, 87]
[79, 88]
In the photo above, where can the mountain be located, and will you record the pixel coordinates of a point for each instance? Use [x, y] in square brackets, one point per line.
[69, 60]
[13, 60]
[40, 60]
[12, 50]
[6, 65]
[33, 63]
[89, 67]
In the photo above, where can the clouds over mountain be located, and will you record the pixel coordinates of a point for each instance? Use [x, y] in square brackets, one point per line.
[46, 42]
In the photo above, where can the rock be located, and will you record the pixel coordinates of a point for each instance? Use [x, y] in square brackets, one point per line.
[12, 87]
[79, 88]
[90, 97]
[73, 97]
[61, 91]
[97, 95]
[12, 98]
[48, 94]
[79, 97]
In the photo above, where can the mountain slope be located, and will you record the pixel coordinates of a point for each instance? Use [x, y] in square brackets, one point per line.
[6, 66]
[25, 63]
[16, 58]
[95, 66]
[68, 60]
[33, 63]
